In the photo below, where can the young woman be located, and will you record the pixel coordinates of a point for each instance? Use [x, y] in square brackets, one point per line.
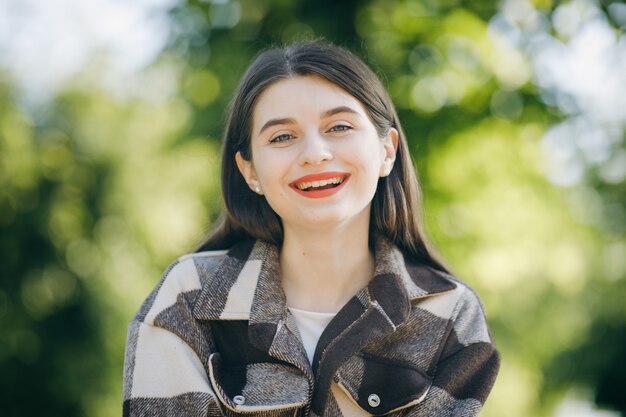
[317, 294]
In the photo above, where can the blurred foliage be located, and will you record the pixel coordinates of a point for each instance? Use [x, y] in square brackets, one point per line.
[99, 192]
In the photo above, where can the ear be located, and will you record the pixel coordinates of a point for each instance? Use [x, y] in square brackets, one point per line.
[249, 174]
[390, 149]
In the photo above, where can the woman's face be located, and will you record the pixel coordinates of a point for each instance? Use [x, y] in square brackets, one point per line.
[316, 156]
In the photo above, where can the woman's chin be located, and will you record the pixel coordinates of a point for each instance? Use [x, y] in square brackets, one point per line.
[322, 220]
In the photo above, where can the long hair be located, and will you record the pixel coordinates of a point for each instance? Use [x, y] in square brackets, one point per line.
[396, 206]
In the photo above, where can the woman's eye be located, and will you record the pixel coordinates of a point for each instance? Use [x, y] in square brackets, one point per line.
[281, 138]
[340, 128]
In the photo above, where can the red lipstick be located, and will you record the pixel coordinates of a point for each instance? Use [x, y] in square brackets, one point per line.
[320, 191]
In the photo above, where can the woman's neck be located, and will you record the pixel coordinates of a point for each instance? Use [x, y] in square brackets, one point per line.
[321, 270]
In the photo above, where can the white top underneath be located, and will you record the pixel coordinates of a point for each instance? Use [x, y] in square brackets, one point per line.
[310, 324]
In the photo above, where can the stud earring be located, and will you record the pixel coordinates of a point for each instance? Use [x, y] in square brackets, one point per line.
[257, 189]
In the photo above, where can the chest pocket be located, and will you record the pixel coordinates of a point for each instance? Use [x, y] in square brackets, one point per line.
[258, 389]
[380, 386]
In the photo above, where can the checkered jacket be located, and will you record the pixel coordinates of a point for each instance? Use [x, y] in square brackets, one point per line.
[215, 338]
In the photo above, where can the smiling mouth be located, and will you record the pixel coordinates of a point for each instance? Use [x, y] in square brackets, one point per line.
[321, 184]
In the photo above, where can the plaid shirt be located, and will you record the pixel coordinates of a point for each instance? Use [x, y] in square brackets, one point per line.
[215, 338]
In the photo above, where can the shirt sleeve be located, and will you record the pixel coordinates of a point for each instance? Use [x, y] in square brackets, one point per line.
[467, 366]
[166, 349]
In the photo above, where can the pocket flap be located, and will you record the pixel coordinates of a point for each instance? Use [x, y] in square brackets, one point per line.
[380, 386]
[258, 387]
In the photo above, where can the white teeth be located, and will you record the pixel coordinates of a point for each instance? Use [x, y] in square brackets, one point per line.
[321, 183]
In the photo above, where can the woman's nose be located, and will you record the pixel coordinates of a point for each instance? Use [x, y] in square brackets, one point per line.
[315, 150]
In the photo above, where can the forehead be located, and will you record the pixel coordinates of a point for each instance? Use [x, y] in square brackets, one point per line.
[299, 96]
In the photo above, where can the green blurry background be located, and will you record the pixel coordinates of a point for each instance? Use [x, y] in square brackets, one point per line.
[110, 121]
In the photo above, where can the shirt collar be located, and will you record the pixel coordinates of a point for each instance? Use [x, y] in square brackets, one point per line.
[245, 284]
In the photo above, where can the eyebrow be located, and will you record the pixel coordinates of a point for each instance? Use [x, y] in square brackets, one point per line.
[337, 110]
[290, 121]
[274, 122]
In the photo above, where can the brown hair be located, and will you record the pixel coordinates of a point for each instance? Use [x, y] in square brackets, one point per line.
[396, 205]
